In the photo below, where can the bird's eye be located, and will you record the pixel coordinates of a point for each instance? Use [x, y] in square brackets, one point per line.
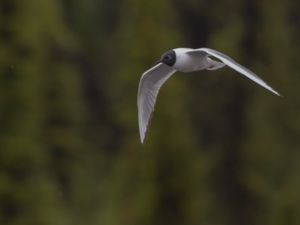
[168, 57]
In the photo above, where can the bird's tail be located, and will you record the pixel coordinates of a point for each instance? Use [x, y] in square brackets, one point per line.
[214, 65]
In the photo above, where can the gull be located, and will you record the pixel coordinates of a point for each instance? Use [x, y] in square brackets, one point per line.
[182, 60]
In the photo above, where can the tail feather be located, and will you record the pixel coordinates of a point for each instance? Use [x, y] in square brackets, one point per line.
[214, 65]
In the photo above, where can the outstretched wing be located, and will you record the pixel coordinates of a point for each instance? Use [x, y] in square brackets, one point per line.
[150, 83]
[236, 66]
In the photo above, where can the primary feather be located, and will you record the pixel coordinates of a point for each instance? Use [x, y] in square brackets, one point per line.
[236, 66]
[150, 83]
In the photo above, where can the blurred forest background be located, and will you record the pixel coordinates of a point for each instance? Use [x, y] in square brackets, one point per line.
[221, 150]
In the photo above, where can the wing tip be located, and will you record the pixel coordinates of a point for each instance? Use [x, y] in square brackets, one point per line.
[278, 94]
[275, 92]
[142, 138]
[142, 131]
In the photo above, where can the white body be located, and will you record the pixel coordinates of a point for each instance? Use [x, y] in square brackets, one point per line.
[188, 63]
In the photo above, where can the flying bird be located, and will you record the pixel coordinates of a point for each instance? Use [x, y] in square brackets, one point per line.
[183, 60]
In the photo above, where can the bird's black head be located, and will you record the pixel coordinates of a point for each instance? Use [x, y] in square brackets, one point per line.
[168, 58]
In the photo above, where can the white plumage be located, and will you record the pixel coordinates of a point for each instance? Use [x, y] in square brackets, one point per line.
[183, 60]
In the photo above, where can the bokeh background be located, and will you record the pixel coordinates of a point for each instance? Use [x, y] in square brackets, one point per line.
[221, 150]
